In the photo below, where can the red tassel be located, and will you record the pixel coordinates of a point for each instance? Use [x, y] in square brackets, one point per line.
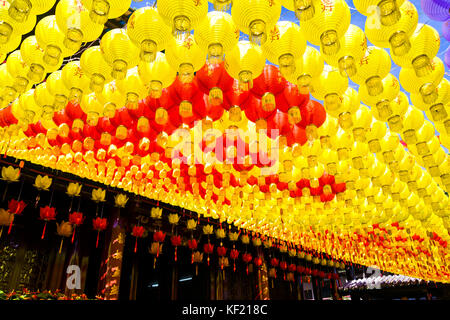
[246, 269]
[208, 260]
[73, 234]
[135, 246]
[157, 251]
[176, 253]
[98, 234]
[192, 257]
[43, 231]
[234, 266]
[10, 227]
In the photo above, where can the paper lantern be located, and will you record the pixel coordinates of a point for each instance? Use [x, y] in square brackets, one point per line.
[182, 15]
[95, 67]
[102, 10]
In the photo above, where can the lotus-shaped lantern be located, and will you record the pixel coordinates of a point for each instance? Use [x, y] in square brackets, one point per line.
[98, 195]
[73, 189]
[43, 182]
[120, 200]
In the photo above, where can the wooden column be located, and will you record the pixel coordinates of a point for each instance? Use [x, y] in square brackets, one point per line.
[112, 266]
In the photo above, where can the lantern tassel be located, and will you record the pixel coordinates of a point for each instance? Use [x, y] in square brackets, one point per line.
[61, 244]
[43, 231]
[10, 226]
[176, 253]
[135, 246]
[234, 266]
[1, 231]
[246, 269]
[196, 269]
[98, 235]
[73, 234]
[192, 257]
[154, 263]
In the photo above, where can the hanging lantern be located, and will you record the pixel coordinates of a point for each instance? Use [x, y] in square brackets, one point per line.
[99, 224]
[47, 214]
[64, 229]
[102, 10]
[247, 258]
[138, 232]
[15, 207]
[76, 219]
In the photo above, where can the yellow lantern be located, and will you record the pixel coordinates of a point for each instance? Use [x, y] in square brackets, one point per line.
[92, 107]
[375, 134]
[111, 99]
[45, 100]
[182, 15]
[352, 49]
[285, 45]
[30, 107]
[330, 22]
[132, 88]
[394, 29]
[245, 63]
[221, 5]
[13, 22]
[425, 84]
[381, 103]
[424, 134]
[399, 107]
[119, 51]
[56, 87]
[157, 74]
[387, 8]
[11, 44]
[217, 35]
[185, 56]
[330, 86]
[327, 130]
[18, 69]
[51, 39]
[436, 109]
[102, 10]
[148, 31]
[413, 121]
[342, 142]
[362, 121]
[424, 45]
[33, 55]
[34, 7]
[308, 67]
[372, 68]
[7, 89]
[74, 21]
[75, 80]
[95, 67]
[256, 17]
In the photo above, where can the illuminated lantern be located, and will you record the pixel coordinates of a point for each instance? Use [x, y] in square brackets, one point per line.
[372, 68]
[436, 9]
[329, 23]
[33, 55]
[424, 83]
[214, 81]
[185, 56]
[15, 21]
[51, 39]
[102, 10]
[92, 107]
[245, 63]
[56, 88]
[138, 232]
[352, 49]
[256, 18]
[95, 67]
[307, 68]
[7, 91]
[217, 35]
[132, 88]
[99, 224]
[393, 27]
[18, 69]
[119, 52]
[76, 219]
[47, 214]
[148, 31]
[74, 21]
[330, 86]
[435, 110]
[182, 15]
[285, 45]
[75, 80]
[267, 86]
[424, 45]
[157, 75]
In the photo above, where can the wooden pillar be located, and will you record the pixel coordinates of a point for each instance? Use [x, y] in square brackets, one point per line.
[109, 282]
[263, 279]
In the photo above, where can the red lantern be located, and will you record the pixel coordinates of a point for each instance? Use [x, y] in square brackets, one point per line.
[47, 214]
[257, 261]
[192, 244]
[247, 258]
[274, 262]
[15, 207]
[300, 269]
[138, 232]
[208, 248]
[76, 219]
[159, 236]
[234, 254]
[176, 241]
[292, 267]
[99, 224]
[221, 251]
